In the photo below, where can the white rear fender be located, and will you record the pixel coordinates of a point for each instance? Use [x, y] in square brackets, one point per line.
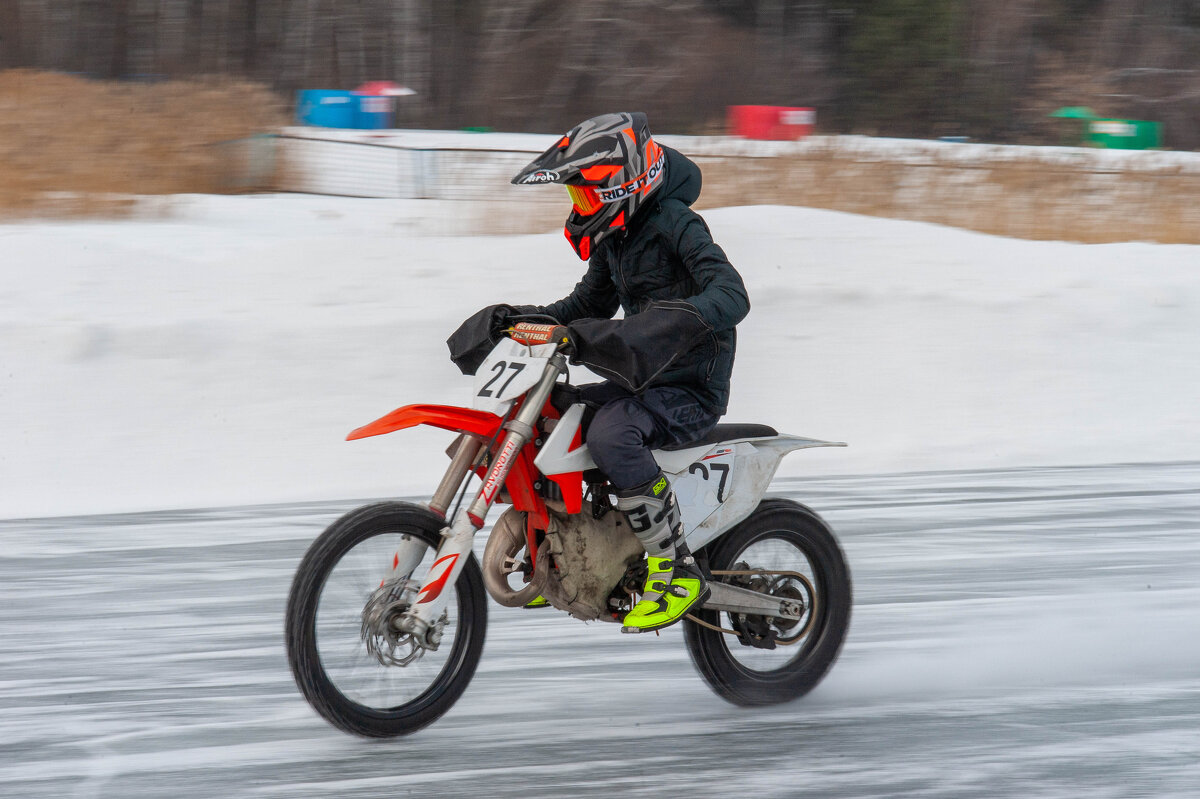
[722, 484]
[783, 444]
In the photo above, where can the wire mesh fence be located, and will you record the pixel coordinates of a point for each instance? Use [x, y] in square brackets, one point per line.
[373, 169]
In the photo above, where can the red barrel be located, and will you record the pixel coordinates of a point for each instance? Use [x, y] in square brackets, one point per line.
[776, 122]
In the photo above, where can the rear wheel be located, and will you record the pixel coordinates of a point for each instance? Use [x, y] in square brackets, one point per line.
[348, 660]
[786, 550]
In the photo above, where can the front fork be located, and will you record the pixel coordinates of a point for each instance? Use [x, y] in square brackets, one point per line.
[457, 538]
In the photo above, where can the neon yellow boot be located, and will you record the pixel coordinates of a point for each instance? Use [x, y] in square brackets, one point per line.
[671, 591]
[674, 583]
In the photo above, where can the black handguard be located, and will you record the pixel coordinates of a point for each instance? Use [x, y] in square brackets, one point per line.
[631, 352]
[474, 339]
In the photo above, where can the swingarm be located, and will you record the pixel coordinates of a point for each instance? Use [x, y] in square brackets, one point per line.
[734, 599]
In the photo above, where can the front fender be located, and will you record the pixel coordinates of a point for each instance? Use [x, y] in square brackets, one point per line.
[447, 417]
[521, 479]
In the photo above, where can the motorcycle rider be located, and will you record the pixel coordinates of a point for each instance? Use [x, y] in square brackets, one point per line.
[669, 360]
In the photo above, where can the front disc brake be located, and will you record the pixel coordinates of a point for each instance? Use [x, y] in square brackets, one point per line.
[384, 608]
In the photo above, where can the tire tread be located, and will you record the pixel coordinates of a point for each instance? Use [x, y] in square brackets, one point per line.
[300, 617]
[709, 652]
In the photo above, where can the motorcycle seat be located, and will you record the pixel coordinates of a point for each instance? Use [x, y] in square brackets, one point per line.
[726, 432]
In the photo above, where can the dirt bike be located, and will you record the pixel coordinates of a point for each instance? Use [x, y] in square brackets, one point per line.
[387, 612]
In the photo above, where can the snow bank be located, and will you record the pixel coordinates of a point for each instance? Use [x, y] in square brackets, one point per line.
[219, 352]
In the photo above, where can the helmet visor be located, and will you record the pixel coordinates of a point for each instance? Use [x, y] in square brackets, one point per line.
[585, 199]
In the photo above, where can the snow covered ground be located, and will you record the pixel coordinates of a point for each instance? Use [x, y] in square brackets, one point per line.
[217, 350]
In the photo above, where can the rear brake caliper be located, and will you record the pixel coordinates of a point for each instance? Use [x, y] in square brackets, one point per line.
[754, 631]
[761, 632]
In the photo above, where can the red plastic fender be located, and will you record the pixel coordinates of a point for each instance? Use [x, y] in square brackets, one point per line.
[451, 417]
[447, 417]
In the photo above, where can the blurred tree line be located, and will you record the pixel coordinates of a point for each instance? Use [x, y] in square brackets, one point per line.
[988, 70]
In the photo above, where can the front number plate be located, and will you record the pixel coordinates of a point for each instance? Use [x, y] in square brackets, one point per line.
[511, 369]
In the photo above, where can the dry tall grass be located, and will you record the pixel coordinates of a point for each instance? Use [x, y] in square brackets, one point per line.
[70, 145]
[1037, 196]
[1071, 194]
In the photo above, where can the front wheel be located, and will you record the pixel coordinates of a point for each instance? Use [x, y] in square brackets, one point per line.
[786, 550]
[352, 666]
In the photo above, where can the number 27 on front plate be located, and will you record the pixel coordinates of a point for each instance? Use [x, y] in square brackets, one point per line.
[511, 369]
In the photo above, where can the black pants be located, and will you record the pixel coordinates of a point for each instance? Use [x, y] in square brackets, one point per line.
[626, 427]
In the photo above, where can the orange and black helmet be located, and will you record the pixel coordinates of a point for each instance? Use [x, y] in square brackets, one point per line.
[610, 165]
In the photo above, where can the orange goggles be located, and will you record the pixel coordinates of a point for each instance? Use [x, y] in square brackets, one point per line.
[585, 199]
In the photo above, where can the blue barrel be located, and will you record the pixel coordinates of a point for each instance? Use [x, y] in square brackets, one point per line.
[373, 111]
[326, 109]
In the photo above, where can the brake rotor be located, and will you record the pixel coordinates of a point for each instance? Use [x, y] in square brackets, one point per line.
[380, 633]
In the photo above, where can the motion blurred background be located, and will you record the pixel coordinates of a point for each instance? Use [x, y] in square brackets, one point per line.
[104, 99]
[991, 71]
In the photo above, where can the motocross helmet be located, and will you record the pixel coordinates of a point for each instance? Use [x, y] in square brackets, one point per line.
[610, 166]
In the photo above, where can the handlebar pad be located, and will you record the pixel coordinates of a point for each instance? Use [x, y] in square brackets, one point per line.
[530, 333]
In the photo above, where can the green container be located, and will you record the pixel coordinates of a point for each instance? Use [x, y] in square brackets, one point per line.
[1124, 134]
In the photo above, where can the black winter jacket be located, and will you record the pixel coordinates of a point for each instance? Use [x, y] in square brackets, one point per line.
[664, 262]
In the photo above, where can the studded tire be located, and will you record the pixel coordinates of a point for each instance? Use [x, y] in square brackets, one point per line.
[742, 674]
[423, 691]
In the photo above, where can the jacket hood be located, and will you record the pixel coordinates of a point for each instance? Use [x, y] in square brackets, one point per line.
[682, 179]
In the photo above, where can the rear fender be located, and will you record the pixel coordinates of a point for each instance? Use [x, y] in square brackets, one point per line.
[718, 485]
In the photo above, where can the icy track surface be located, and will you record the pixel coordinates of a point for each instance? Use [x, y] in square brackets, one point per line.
[1016, 633]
